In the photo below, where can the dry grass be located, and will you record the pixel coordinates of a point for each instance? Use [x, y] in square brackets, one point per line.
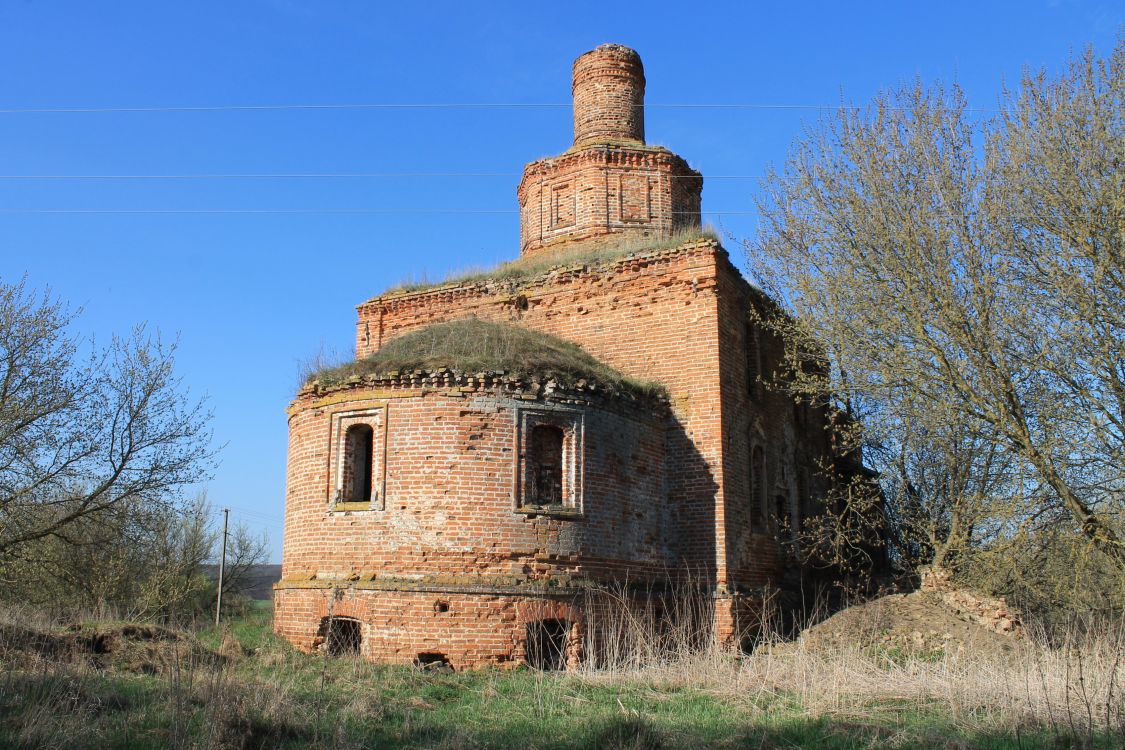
[1068, 689]
[652, 685]
[567, 255]
[474, 346]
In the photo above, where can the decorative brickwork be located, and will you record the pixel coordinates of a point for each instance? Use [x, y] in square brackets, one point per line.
[496, 502]
[453, 525]
[609, 185]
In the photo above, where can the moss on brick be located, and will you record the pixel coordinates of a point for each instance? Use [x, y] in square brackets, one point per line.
[472, 345]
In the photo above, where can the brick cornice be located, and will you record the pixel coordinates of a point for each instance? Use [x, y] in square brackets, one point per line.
[703, 248]
[451, 383]
[605, 156]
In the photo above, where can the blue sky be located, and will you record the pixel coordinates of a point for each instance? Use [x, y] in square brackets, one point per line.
[251, 294]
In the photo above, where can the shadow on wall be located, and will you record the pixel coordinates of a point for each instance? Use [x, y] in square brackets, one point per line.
[690, 526]
[617, 622]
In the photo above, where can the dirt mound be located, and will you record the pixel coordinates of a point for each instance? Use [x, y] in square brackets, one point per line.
[924, 623]
[149, 649]
[16, 640]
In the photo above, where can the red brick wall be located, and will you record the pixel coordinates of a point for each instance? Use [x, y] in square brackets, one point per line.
[606, 191]
[660, 495]
[653, 317]
[474, 630]
[678, 317]
[449, 510]
[608, 86]
[790, 434]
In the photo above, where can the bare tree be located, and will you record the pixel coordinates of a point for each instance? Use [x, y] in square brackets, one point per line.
[80, 436]
[246, 551]
[966, 276]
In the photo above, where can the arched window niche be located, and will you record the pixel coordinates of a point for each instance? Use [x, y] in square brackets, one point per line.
[357, 461]
[549, 472]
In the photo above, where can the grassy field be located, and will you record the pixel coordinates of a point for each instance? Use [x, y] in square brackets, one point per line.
[240, 687]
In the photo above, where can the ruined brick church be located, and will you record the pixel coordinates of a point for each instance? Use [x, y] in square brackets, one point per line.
[441, 515]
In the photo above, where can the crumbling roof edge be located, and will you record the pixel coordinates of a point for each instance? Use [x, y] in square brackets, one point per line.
[519, 386]
[562, 267]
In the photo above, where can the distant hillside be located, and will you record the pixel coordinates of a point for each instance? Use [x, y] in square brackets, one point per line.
[261, 579]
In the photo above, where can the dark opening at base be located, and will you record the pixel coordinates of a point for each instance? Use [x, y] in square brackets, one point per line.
[432, 660]
[341, 636]
[546, 644]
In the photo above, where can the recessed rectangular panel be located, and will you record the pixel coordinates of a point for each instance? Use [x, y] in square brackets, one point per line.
[358, 446]
[563, 206]
[634, 197]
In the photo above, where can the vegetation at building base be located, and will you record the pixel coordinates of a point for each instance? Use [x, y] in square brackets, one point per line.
[954, 283]
[241, 687]
[472, 346]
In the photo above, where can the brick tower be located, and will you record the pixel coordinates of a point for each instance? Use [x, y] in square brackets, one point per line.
[609, 184]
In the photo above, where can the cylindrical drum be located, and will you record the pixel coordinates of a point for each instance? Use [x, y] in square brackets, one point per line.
[609, 95]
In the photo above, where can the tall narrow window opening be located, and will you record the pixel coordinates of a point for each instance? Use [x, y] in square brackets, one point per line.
[753, 357]
[546, 458]
[359, 444]
[548, 476]
[757, 487]
[804, 501]
[781, 514]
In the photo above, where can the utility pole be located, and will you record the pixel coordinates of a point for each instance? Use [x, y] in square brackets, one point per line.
[222, 567]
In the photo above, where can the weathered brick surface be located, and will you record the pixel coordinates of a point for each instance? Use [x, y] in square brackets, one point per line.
[450, 515]
[608, 87]
[652, 316]
[451, 532]
[678, 317]
[793, 438]
[469, 629]
[606, 192]
[609, 185]
[444, 559]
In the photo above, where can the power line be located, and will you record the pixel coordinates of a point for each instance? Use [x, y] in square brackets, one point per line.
[432, 105]
[310, 211]
[313, 176]
[261, 519]
[252, 515]
[255, 176]
[343, 211]
[273, 107]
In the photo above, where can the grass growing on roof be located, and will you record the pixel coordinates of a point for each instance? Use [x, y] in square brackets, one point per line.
[570, 254]
[473, 345]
